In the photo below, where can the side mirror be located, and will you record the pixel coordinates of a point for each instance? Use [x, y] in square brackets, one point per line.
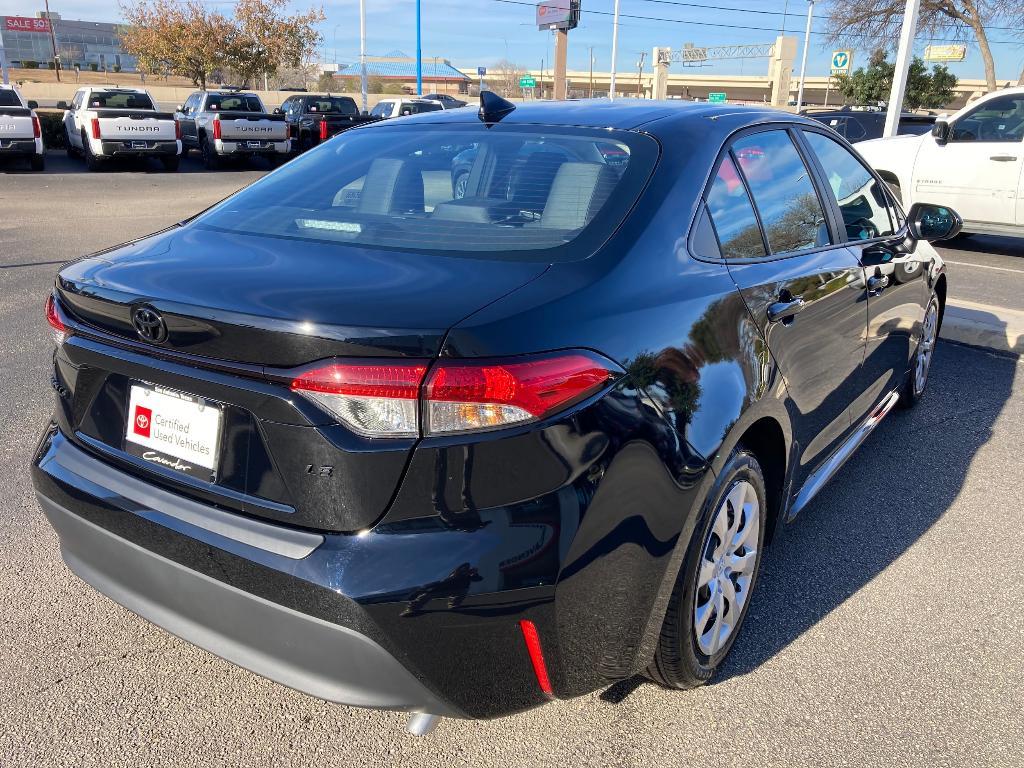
[180, 108]
[930, 222]
[60, 105]
[33, 104]
[941, 131]
[278, 111]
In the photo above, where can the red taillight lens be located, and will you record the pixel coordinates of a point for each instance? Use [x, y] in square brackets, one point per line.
[323, 130]
[60, 331]
[383, 399]
[216, 128]
[177, 130]
[376, 400]
[37, 129]
[540, 669]
[468, 395]
[96, 128]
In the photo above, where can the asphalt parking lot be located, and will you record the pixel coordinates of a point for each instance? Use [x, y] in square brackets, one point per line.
[886, 629]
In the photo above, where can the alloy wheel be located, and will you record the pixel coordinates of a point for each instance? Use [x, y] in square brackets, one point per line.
[926, 347]
[727, 568]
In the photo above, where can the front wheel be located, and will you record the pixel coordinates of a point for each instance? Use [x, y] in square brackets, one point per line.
[210, 159]
[717, 578]
[913, 388]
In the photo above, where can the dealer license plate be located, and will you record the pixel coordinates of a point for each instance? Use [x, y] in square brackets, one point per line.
[173, 430]
[139, 145]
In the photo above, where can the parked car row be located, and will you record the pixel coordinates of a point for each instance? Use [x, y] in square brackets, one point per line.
[21, 135]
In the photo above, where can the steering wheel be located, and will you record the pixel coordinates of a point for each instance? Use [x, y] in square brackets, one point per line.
[862, 229]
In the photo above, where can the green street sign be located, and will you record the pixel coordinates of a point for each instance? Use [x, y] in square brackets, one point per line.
[716, 98]
[527, 82]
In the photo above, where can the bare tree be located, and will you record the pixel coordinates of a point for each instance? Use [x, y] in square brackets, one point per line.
[506, 77]
[870, 24]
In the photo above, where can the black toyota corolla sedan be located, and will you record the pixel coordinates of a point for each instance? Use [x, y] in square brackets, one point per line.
[461, 454]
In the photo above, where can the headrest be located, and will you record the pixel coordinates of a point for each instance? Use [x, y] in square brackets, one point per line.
[577, 194]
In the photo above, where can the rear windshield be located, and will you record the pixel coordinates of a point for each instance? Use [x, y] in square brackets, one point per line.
[9, 99]
[332, 106]
[522, 193]
[233, 104]
[115, 100]
[415, 107]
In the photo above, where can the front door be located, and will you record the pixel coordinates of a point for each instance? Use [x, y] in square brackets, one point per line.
[977, 172]
[799, 284]
[894, 282]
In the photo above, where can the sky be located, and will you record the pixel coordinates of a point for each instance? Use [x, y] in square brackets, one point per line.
[472, 33]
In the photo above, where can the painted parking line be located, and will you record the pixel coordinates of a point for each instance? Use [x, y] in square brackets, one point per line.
[984, 266]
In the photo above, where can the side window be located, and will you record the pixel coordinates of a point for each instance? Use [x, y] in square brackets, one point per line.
[861, 198]
[76, 103]
[997, 120]
[733, 215]
[781, 186]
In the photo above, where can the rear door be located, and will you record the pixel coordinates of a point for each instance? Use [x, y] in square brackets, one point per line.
[187, 119]
[798, 281]
[977, 171]
[894, 287]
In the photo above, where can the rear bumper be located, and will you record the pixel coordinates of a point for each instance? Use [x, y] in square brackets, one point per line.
[20, 147]
[223, 147]
[152, 148]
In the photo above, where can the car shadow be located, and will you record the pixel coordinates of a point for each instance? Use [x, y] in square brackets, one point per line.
[987, 244]
[897, 486]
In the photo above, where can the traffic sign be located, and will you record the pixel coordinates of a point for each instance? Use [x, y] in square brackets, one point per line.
[842, 61]
[945, 53]
[716, 98]
[481, 71]
[527, 82]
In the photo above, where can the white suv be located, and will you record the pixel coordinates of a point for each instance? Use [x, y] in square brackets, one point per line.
[404, 106]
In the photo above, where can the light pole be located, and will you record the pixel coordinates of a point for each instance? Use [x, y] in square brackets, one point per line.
[419, 54]
[336, 46]
[640, 74]
[899, 77]
[53, 41]
[362, 49]
[615, 49]
[803, 63]
[591, 71]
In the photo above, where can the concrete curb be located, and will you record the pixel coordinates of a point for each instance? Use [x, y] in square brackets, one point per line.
[984, 325]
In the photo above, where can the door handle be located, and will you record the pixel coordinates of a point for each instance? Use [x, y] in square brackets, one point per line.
[784, 310]
[1003, 158]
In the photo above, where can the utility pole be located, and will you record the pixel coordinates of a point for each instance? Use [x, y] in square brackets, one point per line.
[640, 74]
[899, 77]
[592, 72]
[53, 41]
[803, 63]
[561, 52]
[615, 50]
[362, 49]
[419, 54]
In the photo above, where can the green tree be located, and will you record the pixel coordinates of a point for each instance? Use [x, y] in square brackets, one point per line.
[327, 83]
[927, 89]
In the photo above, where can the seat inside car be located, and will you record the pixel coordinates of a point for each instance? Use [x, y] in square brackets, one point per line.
[392, 186]
[578, 192]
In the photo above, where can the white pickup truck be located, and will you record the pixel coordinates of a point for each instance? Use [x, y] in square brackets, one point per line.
[20, 132]
[973, 162]
[103, 123]
[232, 124]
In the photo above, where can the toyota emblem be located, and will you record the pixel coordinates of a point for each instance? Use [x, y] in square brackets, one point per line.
[149, 325]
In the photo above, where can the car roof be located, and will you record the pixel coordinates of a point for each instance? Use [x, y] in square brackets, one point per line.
[623, 114]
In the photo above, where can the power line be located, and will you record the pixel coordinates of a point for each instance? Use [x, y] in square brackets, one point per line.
[741, 26]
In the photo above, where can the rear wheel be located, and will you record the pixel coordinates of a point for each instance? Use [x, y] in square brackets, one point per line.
[717, 578]
[914, 385]
[171, 162]
[68, 146]
[459, 187]
[37, 162]
[210, 159]
[91, 161]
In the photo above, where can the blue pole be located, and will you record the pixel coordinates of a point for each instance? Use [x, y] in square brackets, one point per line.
[419, 54]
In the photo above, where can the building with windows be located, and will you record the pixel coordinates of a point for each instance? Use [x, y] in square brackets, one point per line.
[397, 69]
[87, 44]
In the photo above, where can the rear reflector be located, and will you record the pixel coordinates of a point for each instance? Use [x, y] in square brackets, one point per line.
[376, 400]
[467, 395]
[323, 130]
[60, 331]
[216, 127]
[37, 129]
[383, 399]
[540, 669]
[96, 128]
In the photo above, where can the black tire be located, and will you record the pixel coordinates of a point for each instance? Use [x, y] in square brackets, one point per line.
[459, 185]
[92, 162]
[210, 159]
[68, 146]
[679, 662]
[914, 386]
[37, 162]
[171, 163]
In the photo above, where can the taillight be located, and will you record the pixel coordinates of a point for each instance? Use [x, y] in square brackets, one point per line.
[470, 395]
[323, 130]
[37, 129]
[384, 399]
[177, 130]
[376, 400]
[216, 128]
[96, 128]
[60, 331]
